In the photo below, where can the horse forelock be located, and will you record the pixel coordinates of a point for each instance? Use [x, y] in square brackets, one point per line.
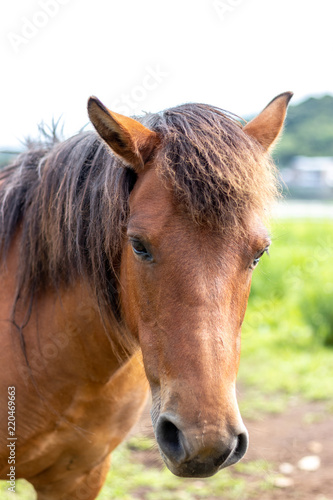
[219, 175]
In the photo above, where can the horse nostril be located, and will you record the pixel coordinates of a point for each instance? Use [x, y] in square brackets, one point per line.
[232, 456]
[242, 444]
[238, 452]
[169, 438]
[170, 434]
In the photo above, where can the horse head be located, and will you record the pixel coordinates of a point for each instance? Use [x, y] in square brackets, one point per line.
[194, 234]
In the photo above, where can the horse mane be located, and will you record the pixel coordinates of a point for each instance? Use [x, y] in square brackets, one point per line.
[69, 200]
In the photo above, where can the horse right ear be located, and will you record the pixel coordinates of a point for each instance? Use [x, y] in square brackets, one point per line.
[128, 138]
[267, 126]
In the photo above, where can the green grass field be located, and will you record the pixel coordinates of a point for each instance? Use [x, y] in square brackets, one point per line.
[287, 350]
[288, 329]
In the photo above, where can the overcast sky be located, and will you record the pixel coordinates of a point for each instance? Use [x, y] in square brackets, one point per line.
[146, 55]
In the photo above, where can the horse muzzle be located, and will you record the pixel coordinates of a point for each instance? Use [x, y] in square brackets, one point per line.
[200, 453]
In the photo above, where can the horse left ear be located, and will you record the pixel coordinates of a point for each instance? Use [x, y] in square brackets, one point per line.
[267, 126]
[128, 138]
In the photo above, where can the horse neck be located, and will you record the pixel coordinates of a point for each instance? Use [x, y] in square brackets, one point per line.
[83, 339]
[65, 333]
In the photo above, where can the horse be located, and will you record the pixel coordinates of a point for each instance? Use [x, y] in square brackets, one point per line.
[126, 261]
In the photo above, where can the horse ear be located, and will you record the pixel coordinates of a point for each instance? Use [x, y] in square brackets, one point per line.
[128, 138]
[266, 127]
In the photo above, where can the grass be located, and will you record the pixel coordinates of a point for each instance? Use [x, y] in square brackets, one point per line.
[24, 491]
[288, 328]
[287, 351]
[129, 479]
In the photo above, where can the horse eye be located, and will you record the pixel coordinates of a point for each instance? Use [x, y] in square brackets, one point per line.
[255, 262]
[258, 257]
[140, 250]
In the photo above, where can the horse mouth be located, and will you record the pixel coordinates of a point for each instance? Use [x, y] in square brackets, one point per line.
[195, 468]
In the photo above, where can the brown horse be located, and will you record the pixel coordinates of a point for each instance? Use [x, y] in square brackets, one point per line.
[128, 256]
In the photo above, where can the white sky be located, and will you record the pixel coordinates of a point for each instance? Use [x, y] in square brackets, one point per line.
[157, 54]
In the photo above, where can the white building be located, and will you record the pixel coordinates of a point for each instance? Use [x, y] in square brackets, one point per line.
[310, 175]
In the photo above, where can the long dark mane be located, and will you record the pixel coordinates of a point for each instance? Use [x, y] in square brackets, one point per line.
[68, 201]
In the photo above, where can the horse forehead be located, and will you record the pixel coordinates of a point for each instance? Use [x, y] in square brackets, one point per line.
[153, 209]
[151, 200]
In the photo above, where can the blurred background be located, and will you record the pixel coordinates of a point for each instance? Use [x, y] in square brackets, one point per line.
[141, 56]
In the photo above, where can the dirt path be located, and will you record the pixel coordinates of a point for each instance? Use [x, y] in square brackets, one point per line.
[305, 429]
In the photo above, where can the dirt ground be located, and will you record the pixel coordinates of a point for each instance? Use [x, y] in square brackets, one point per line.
[305, 429]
